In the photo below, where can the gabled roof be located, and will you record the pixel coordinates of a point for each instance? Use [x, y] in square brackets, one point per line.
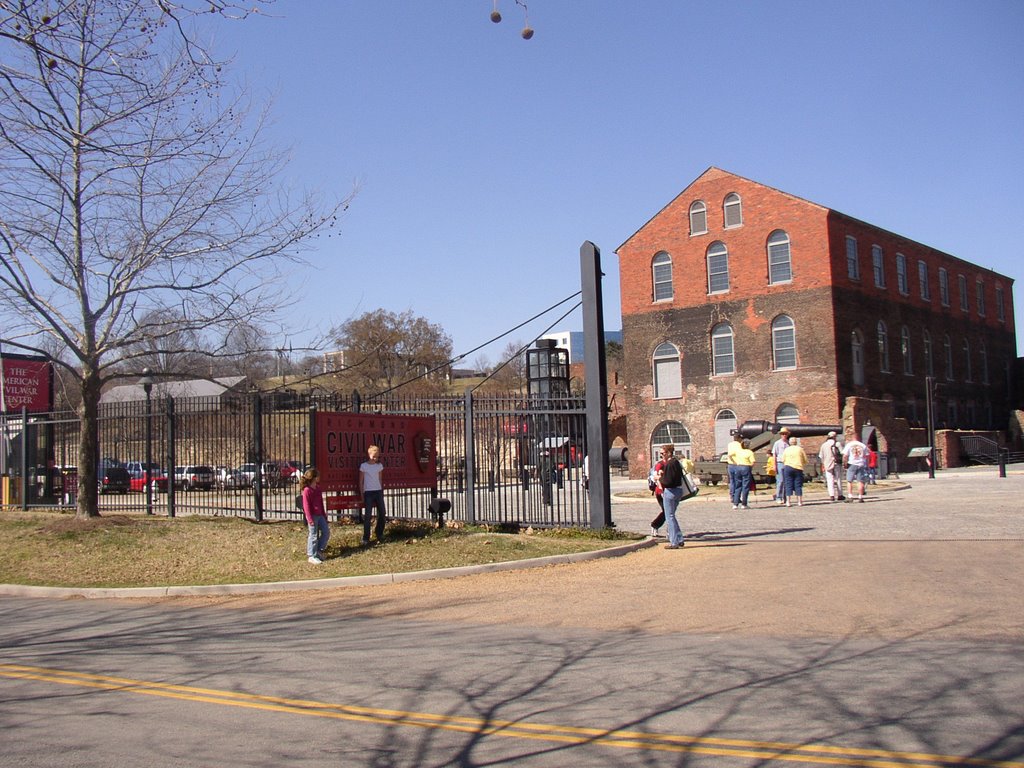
[125, 393]
[716, 170]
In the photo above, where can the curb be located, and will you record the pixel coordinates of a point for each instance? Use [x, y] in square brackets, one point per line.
[20, 590]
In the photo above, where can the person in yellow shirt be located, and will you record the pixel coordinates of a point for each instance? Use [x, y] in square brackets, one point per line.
[743, 462]
[795, 459]
[730, 459]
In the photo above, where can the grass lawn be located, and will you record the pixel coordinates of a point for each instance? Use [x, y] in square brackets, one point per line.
[57, 549]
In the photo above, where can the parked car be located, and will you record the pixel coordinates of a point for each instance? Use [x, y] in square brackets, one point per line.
[231, 479]
[113, 479]
[137, 470]
[273, 475]
[194, 476]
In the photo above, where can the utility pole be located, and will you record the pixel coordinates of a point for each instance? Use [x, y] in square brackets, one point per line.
[596, 380]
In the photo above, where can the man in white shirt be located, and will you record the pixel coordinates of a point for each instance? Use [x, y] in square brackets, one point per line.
[831, 466]
[855, 454]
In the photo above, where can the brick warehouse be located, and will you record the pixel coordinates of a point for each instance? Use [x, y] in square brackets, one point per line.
[740, 302]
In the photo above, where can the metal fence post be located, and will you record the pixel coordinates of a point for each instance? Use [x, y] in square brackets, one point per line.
[257, 436]
[470, 469]
[171, 456]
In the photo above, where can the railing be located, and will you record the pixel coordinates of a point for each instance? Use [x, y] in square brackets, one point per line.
[500, 458]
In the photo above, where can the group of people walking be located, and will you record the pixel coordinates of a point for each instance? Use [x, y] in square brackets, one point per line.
[790, 461]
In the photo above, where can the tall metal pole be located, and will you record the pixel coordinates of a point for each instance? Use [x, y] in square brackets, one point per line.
[596, 380]
[929, 401]
[147, 387]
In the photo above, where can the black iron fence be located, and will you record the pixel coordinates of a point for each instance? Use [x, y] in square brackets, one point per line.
[500, 458]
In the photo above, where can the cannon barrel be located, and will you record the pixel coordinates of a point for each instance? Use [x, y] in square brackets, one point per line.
[750, 429]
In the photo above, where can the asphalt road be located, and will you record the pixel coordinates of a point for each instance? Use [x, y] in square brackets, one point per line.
[880, 634]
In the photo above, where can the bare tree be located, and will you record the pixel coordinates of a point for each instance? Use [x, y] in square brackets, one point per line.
[385, 351]
[134, 187]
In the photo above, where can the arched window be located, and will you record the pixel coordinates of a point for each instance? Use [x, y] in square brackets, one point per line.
[698, 218]
[968, 372]
[668, 380]
[780, 269]
[902, 282]
[883, 347]
[670, 432]
[718, 267]
[857, 356]
[783, 343]
[908, 363]
[947, 354]
[983, 354]
[723, 359]
[725, 423]
[929, 358]
[661, 277]
[787, 413]
[732, 209]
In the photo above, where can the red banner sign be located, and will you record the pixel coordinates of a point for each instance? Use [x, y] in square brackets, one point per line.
[407, 449]
[27, 383]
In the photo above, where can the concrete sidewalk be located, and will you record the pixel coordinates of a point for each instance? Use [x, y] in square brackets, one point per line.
[958, 504]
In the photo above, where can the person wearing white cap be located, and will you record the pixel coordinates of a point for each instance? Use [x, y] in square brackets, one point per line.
[778, 449]
[832, 465]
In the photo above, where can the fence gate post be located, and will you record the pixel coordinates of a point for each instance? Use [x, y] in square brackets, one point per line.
[470, 469]
[257, 436]
[172, 456]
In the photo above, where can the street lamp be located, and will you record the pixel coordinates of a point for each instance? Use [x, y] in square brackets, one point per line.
[147, 386]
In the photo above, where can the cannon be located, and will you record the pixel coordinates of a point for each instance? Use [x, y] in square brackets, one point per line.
[761, 435]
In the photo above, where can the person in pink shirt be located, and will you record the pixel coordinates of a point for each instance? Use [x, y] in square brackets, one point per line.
[316, 515]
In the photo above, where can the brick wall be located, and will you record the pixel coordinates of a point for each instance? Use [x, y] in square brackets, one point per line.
[825, 304]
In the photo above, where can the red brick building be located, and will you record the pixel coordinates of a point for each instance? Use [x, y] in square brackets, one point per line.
[743, 302]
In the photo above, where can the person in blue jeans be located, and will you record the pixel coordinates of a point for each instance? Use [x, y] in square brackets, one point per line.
[671, 481]
[371, 486]
[316, 517]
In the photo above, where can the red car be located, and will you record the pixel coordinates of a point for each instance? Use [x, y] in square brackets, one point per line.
[156, 476]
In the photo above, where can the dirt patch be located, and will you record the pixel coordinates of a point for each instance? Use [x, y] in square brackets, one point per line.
[84, 524]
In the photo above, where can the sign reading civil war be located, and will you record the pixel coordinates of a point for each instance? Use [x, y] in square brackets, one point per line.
[26, 382]
[407, 449]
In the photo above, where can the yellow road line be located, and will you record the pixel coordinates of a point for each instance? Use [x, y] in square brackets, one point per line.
[704, 745]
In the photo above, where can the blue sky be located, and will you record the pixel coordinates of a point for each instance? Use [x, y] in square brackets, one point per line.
[484, 160]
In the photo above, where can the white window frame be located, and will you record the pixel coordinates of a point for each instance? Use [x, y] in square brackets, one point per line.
[667, 372]
[902, 281]
[878, 265]
[943, 286]
[922, 279]
[699, 216]
[722, 334]
[720, 253]
[661, 259]
[783, 343]
[732, 204]
[779, 243]
[852, 258]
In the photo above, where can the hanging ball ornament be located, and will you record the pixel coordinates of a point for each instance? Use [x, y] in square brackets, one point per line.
[527, 33]
[495, 16]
